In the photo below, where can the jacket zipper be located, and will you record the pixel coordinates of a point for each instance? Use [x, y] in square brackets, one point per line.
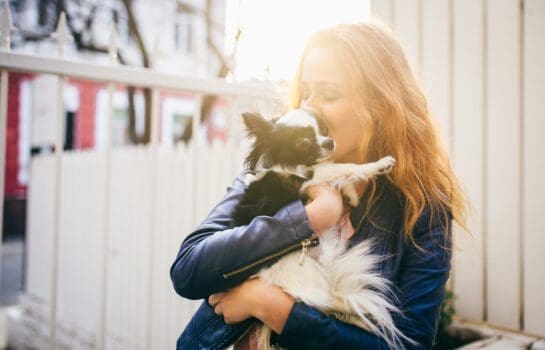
[309, 242]
[246, 331]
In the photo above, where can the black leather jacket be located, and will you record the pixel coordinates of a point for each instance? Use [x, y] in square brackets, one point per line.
[216, 257]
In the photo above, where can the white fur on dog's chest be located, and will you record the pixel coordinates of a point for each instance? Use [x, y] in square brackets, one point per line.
[299, 171]
[314, 280]
[345, 176]
[338, 281]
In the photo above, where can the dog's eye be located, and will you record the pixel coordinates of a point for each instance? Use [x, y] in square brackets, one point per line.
[303, 144]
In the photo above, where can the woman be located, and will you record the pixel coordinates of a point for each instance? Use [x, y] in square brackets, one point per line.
[357, 79]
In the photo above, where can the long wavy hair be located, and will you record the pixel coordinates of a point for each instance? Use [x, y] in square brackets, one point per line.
[392, 107]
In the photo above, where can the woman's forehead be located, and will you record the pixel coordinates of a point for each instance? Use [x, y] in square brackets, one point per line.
[322, 66]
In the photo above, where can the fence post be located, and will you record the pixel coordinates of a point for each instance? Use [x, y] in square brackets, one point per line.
[61, 35]
[154, 147]
[101, 336]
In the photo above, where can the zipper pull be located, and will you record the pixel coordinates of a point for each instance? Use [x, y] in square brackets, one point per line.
[304, 250]
[303, 255]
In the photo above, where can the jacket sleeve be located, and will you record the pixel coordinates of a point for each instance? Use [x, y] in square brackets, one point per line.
[216, 256]
[420, 288]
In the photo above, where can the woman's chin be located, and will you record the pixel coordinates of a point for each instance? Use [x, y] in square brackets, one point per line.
[353, 158]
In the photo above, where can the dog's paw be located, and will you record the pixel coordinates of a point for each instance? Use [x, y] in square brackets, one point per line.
[350, 196]
[308, 173]
[385, 165]
[353, 201]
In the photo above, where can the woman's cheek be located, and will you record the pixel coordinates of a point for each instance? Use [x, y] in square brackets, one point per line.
[340, 148]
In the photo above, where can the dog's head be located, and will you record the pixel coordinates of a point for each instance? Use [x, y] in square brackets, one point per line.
[296, 138]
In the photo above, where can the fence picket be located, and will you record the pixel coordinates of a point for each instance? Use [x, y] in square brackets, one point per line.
[406, 22]
[382, 9]
[436, 61]
[468, 153]
[79, 283]
[533, 205]
[503, 163]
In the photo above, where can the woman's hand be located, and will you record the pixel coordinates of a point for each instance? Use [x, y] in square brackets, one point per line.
[346, 227]
[254, 298]
[325, 208]
[238, 303]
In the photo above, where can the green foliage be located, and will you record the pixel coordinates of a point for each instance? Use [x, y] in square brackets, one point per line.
[447, 312]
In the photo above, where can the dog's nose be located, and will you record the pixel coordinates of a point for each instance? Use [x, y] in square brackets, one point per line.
[328, 144]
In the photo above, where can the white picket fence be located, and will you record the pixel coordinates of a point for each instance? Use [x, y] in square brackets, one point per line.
[482, 66]
[147, 203]
[104, 226]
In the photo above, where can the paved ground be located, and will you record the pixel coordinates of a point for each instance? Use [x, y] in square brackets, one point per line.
[12, 274]
[501, 340]
[11, 279]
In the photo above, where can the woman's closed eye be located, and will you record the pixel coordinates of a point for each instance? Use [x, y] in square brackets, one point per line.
[330, 95]
[327, 95]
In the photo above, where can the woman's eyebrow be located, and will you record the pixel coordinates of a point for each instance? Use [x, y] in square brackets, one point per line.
[321, 84]
[328, 84]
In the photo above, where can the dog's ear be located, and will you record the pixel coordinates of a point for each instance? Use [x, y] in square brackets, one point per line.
[256, 123]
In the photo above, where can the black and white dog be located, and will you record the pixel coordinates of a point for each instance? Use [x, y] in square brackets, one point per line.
[288, 155]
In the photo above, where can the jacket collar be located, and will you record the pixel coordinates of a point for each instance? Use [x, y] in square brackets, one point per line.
[384, 219]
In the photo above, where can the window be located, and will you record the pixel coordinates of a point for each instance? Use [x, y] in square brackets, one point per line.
[183, 34]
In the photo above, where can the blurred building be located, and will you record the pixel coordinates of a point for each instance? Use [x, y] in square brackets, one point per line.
[175, 35]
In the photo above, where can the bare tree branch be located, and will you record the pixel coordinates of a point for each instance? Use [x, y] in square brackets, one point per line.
[133, 27]
[81, 45]
[224, 69]
[183, 7]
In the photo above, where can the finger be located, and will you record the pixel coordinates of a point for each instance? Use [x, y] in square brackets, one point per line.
[218, 310]
[214, 299]
[347, 229]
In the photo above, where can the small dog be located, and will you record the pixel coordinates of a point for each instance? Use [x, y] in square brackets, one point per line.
[288, 155]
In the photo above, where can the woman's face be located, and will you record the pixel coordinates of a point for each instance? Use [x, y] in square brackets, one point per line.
[326, 88]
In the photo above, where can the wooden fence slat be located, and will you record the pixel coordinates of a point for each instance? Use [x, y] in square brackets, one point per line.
[40, 227]
[468, 153]
[503, 162]
[436, 61]
[79, 282]
[129, 253]
[382, 9]
[182, 223]
[407, 21]
[159, 279]
[173, 222]
[533, 207]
